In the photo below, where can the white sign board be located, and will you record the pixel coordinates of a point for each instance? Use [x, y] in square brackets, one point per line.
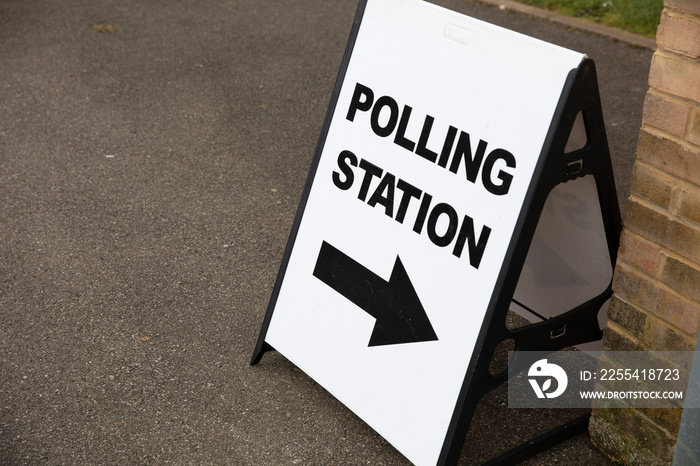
[421, 177]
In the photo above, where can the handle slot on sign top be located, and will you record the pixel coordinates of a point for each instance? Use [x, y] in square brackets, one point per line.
[459, 34]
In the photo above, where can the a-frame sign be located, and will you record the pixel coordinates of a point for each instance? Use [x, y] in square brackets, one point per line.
[462, 170]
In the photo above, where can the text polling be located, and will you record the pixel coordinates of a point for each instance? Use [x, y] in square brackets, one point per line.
[491, 168]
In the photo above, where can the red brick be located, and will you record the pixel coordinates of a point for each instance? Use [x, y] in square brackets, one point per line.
[650, 436]
[667, 419]
[660, 337]
[642, 293]
[683, 277]
[694, 127]
[615, 338]
[652, 184]
[669, 115]
[659, 226]
[669, 156]
[686, 6]
[689, 203]
[627, 316]
[640, 435]
[679, 34]
[684, 238]
[680, 312]
[645, 453]
[607, 437]
[675, 75]
[638, 252]
[634, 287]
[645, 220]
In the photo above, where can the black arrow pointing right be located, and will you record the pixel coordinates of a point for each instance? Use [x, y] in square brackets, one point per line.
[395, 304]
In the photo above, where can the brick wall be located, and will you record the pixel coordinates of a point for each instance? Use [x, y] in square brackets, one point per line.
[656, 305]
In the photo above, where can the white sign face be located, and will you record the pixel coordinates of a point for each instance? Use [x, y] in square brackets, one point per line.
[438, 126]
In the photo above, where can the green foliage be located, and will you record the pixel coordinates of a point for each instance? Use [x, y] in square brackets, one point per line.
[638, 16]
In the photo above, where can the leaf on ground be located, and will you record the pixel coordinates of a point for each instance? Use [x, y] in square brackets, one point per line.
[104, 28]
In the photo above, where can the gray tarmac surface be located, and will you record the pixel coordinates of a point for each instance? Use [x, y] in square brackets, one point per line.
[149, 177]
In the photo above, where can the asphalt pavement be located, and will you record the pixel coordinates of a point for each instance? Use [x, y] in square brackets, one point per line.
[152, 155]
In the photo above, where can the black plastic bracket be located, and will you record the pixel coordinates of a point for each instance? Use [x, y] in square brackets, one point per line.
[579, 325]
